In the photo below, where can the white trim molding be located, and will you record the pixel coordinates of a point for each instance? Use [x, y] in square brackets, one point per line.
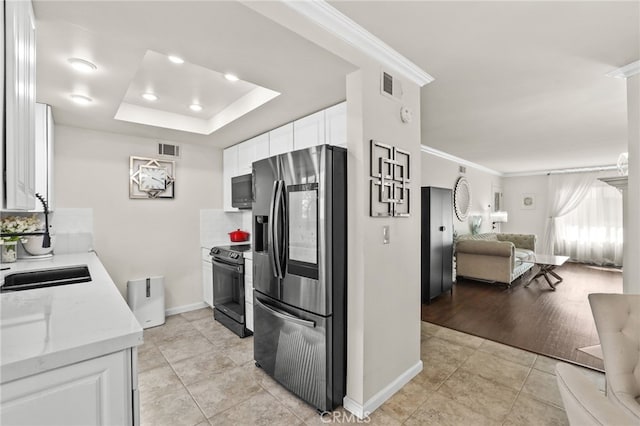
[453, 158]
[625, 72]
[621, 183]
[562, 171]
[185, 308]
[332, 20]
[363, 411]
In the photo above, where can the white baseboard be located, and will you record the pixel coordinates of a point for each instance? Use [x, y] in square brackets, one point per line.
[185, 308]
[362, 411]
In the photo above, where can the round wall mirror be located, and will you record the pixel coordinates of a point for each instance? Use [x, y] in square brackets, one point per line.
[462, 198]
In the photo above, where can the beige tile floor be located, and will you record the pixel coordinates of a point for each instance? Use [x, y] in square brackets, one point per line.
[193, 371]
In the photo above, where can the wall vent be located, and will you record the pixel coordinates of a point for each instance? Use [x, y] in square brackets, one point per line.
[462, 169]
[390, 87]
[169, 150]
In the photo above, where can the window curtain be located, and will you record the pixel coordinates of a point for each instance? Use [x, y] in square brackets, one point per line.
[566, 191]
[592, 232]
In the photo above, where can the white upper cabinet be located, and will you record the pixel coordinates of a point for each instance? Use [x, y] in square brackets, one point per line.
[335, 122]
[20, 68]
[309, 131]
[252, 150]
[327, 126]
[229, 170]
[44, 131]
[281, 140]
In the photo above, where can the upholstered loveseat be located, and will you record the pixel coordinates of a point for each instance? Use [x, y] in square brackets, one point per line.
[494, 257]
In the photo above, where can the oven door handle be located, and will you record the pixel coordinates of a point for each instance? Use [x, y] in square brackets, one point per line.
[232, 268]
[284, 315]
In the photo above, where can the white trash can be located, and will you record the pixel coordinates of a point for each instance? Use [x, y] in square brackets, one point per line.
[146, 300]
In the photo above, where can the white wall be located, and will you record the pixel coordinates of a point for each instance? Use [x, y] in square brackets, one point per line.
[530, 221]
[139, 238]
[443, 173]
[631, 284]
[383, 333]
[525, 221]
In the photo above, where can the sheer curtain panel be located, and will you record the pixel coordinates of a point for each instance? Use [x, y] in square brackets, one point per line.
[592, 232]
[566, 191]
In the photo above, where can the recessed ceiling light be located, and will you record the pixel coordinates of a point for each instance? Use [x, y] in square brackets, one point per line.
[231, 77]
[82, 65]
[176, 59]
[195, 107]
[81, 99]
[150, 96]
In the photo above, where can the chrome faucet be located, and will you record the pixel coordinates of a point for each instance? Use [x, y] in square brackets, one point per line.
[46, 239]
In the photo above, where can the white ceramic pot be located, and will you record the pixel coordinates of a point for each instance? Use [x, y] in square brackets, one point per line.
[33, 246]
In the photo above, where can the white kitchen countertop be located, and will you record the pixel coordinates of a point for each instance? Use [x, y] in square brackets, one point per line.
[46, 328]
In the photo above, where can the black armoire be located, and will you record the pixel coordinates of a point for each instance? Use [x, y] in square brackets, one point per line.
[437, 242]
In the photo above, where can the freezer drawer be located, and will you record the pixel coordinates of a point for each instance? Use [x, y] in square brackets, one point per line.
[292, 346]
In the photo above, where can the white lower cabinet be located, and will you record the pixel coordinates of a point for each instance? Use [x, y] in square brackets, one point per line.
[99, 391]
[249, 316]
[248, 292]
[207, 283]
[207, 278]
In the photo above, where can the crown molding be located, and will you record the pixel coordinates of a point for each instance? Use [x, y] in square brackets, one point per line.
[332, 20]
[621, 183]
[625, 72]
[462, 161]
[563, 171]
[453, 158]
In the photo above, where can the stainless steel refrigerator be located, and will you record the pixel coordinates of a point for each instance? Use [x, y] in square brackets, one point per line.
[300, 266]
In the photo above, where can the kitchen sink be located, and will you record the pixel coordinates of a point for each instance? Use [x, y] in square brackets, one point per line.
[45, 278]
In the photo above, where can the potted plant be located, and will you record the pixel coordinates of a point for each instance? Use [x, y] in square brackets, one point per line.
[16, 225]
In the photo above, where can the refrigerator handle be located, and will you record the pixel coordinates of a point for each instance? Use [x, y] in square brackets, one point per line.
[285, 228]
[285, 316]
[270, 229]
[277, 230]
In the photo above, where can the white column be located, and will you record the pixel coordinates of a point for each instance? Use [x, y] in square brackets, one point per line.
[383, 321]
[631, 274]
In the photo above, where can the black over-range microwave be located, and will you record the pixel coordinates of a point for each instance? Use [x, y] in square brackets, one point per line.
[242, 191]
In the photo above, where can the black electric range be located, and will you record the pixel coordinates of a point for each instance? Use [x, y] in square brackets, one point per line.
[228, 287]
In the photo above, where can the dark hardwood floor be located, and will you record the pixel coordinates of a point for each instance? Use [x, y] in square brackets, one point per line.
[537, 319]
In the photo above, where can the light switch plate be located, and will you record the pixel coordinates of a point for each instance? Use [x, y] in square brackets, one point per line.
[385, 234]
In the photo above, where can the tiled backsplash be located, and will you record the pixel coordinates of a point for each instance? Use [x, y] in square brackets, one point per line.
[73, 230]
[215, 225]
